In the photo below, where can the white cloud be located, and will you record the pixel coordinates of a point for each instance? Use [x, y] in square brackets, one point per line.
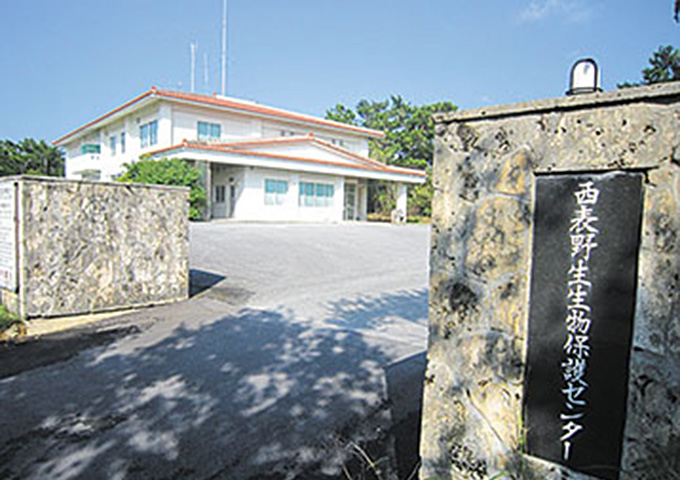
[568, 10]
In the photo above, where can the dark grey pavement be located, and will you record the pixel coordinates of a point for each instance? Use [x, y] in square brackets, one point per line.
[301, 341]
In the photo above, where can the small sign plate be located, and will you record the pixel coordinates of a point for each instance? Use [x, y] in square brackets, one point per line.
[8, 236]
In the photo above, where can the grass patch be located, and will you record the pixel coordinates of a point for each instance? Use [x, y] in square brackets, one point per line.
[378, 217]
[381, 217]
[8, 319]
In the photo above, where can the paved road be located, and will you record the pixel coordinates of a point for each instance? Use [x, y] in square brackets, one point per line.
[301, 342]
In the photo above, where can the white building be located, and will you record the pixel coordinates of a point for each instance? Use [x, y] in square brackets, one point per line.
[259, 163]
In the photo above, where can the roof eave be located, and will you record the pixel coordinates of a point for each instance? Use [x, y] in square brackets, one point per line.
[103, 119]
[154, 93]
[283, 116]
[413, 176]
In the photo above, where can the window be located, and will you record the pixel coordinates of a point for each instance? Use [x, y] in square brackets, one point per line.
[122, 142]
[209, 131]
[148, 134]
[275, 191]
[220, 193]
[113, 141]
[316, 194]
[90, 148]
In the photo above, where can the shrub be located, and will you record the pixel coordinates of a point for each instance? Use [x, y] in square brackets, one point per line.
[9, 321]
[175, 172]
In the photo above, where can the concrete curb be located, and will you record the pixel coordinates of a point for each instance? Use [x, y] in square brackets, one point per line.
[45, 326]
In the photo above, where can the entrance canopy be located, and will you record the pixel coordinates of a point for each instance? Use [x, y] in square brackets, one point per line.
[302, 154]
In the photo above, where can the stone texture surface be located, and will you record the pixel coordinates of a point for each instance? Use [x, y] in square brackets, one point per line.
[89, 246]
[485, 164]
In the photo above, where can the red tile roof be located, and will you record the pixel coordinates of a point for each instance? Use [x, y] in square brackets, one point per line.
[235, 104]
[227, 103]
[303, 139]
[225, 148]
[104, 117]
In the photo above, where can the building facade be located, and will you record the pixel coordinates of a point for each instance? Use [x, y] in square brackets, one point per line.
[258, 162]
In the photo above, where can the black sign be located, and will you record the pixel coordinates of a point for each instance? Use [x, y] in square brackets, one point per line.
[583, 283]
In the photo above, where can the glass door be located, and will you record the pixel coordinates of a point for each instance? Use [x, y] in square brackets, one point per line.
[350, 210]
[219, 205]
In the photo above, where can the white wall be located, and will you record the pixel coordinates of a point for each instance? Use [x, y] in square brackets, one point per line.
[234, 127]
[251, 205]
[179, 122]
[77, 161]
[354, 143]
[303, 150]
[106, 162]
[227, 176]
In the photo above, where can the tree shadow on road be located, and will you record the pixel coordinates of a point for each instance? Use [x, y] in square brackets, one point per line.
[370, 312]
[250, 395]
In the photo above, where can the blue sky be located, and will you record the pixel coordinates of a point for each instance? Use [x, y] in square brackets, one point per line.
[65, 62]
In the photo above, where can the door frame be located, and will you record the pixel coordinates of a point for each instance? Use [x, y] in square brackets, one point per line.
[346, 206]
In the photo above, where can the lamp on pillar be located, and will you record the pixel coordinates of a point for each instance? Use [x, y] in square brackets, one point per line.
[585, 77]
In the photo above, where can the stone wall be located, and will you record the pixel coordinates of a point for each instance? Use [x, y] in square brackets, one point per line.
[485, 165]
[90, 246]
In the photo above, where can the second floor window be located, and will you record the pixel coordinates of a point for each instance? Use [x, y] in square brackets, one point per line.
[113, 141]
[148, 134]
[209, 131]
[122, 142]
[90, 148]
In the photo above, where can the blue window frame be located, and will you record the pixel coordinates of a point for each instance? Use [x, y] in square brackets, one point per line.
[316, 194]
[148, 134]
[275, 191]
[113, 142]
[209, 131]
[90, 148]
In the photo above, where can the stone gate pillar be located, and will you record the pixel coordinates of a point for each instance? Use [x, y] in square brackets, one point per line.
[554, 339]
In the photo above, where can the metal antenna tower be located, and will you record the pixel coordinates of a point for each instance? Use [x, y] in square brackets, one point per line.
[224, 48]
[192, 46]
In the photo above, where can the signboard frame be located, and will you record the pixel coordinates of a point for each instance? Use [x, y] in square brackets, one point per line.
[9, 232]
[582, 304]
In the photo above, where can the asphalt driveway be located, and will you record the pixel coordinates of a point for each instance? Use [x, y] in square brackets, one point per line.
[301, 348]
[359, 277]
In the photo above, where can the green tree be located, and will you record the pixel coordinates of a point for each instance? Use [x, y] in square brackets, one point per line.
[420, 197]
[408, 129]
[408, 142]
[169, 172]
[342, 114]
[30, 156]
[664, 66]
